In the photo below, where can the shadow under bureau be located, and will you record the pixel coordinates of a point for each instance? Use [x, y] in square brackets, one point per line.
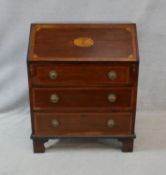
[83, 82]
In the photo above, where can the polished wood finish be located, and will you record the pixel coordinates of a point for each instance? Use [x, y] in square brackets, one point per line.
[38, 145]
[82, 124]
[127, 144]
[82, 99]
[55, 42]
[81, 74]
[83, 82]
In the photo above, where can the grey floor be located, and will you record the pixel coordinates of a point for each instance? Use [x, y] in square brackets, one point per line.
[80, 157]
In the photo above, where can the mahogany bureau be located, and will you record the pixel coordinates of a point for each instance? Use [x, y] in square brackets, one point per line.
[83, 82]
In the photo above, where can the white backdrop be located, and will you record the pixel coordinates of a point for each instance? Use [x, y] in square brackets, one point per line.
[15, 19]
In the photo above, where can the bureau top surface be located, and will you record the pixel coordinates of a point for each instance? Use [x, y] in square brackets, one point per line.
[83, 42]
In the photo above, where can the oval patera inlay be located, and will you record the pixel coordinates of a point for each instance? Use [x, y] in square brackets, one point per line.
[83, 42]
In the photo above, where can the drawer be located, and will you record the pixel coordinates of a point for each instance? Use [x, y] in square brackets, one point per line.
[82, 124]
[86, 99]
[80, 74]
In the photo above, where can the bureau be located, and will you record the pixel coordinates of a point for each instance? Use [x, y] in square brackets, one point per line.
[83, 82]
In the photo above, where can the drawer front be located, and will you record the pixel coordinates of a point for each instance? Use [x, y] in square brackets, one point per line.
[85, 124]
[80, 74]
[76, 99]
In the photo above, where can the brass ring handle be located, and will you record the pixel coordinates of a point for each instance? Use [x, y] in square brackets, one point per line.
[110, 123]
[112, 98]
[54, 98]
[112, 75]
[53, 75]
[55, 123]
